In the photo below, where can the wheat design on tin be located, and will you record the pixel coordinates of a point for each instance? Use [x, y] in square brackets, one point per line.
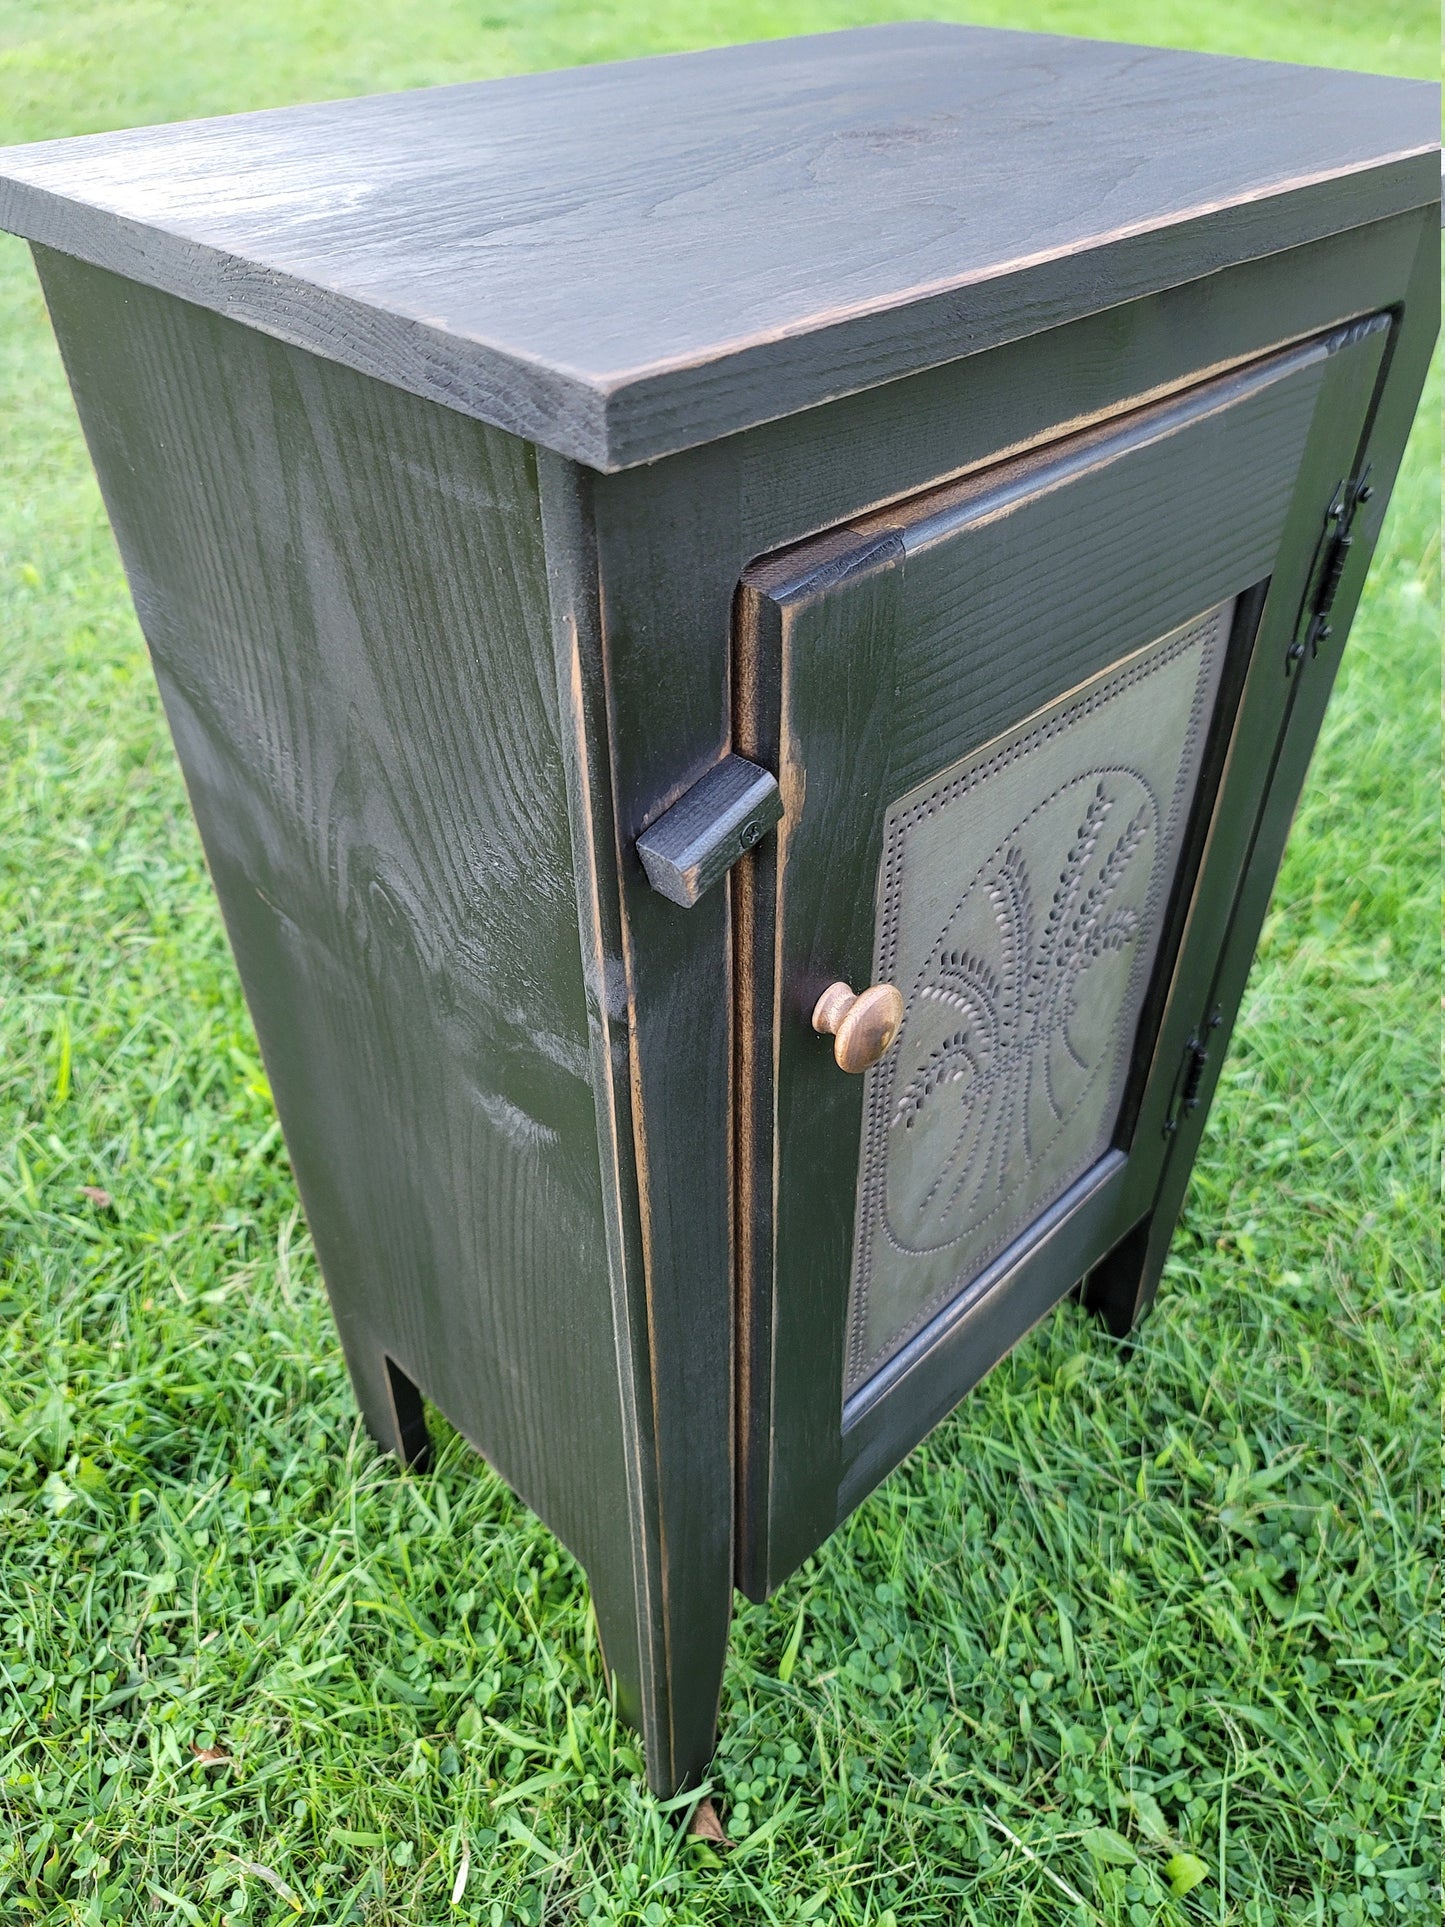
[999, 1060]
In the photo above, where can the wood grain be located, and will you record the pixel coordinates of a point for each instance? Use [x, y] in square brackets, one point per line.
[957, 613]
[675, 1361]
[344, 593]
[683, 688]
[625, 260]
[430, 681]
[694, 844]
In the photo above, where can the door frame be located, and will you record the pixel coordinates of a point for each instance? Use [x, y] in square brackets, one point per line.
[646, 564]
[811, 1458]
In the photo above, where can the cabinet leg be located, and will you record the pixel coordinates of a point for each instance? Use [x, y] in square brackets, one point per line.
[665, 1669]
[1122, 1284]
[391, 1406]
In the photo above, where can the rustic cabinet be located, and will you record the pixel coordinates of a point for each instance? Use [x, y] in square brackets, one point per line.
[743, 632]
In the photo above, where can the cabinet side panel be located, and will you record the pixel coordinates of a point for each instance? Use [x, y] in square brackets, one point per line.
[344, 595]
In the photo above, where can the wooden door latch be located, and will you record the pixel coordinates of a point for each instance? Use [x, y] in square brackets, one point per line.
[708, 828]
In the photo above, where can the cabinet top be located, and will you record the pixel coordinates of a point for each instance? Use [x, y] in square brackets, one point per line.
[621, 261]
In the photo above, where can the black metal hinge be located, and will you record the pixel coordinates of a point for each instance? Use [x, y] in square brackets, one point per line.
[1313, 628]
[1191, 1072]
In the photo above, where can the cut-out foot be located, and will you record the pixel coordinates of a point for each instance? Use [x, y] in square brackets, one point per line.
[412, 1440]
[392, 1406]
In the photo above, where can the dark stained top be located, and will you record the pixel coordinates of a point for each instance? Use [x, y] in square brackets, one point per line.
[619, 261]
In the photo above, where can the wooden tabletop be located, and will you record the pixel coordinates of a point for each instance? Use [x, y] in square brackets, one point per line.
[619, 261]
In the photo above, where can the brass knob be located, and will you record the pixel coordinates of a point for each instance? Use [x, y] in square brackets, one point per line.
[862, 1026]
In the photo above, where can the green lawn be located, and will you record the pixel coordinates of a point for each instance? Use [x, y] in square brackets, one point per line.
[1119, 1608]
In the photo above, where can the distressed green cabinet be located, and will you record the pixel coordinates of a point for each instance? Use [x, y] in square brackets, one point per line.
[635, 557]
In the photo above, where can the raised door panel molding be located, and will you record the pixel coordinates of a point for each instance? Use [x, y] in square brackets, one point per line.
[1021, 900]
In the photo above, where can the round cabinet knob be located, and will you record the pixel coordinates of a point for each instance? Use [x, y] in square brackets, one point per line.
[863, 1026]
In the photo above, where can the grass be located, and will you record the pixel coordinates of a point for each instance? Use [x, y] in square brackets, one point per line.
[1127, 1622]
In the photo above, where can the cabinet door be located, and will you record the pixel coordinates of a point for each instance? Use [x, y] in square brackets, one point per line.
[1022, 725]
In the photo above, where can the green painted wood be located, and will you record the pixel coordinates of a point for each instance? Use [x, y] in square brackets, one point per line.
[344, 593]
[696, 842]
[900, 645]
[430, 679]
[672, 541]
[675, 1302]
[625, 260]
